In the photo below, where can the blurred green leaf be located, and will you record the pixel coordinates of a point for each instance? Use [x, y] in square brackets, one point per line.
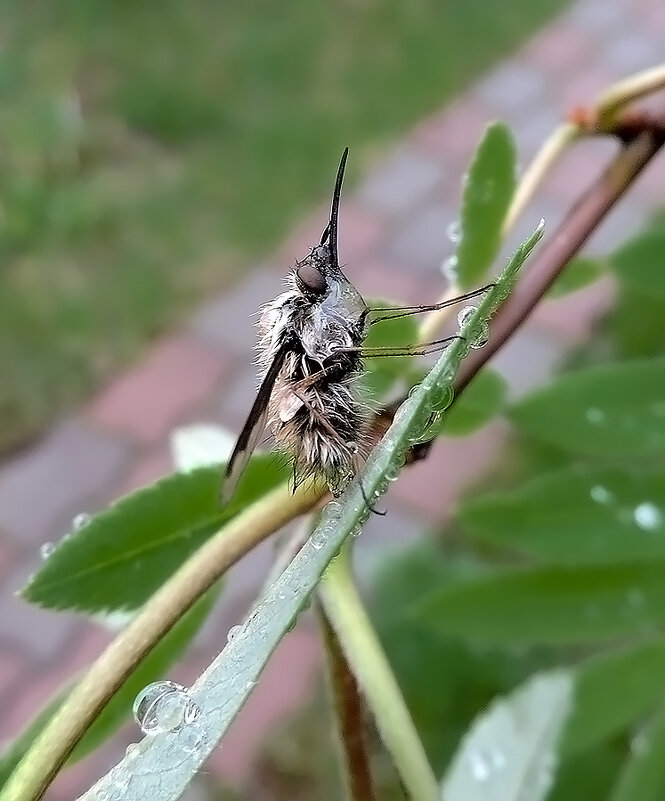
[481, 401]
[575, 515]
[441, 678]
[637, 323]
[613, 410]
[640, 263]
[127, 551]
[512, 747]
[612, 690]
[550, 605]
[587, 776]
[119, 708]
[383, 371]
[489, 188]
[579, 273]
[643, 775]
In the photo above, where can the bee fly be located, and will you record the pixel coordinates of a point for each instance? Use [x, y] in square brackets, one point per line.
[310, 356]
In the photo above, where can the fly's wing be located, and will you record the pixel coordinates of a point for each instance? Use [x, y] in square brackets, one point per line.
[253, 429]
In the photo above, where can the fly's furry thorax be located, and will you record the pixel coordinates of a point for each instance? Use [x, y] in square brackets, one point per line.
[323, 423]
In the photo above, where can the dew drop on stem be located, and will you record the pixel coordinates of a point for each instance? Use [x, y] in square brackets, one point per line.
[454, 231]
[164, 706]
[81, 521]
[45, 550]
[233, 632]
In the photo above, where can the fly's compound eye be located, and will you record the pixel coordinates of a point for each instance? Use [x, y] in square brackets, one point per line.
[311, 279]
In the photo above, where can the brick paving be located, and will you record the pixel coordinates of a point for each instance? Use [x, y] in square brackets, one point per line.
[393, 239]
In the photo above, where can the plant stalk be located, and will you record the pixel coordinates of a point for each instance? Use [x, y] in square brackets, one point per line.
[348, 708]
[347, 615]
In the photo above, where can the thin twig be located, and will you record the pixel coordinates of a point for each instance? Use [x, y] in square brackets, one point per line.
[348, 708]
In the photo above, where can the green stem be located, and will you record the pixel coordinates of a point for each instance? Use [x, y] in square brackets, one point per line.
[363, 651]
[348, 708]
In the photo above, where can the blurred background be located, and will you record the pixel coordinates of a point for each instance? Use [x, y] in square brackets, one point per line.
[161, 167]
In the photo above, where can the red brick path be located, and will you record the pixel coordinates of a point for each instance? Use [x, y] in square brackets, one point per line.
[392, 238]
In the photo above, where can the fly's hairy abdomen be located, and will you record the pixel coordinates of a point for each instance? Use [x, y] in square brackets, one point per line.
[324, 427]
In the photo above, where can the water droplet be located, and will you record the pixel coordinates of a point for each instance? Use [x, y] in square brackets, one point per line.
[463, 316]
[164, 706]
[46, 550]
[480, 767]
[318, 540]
[647, 516]
[595, 415]
[353, 446]
[454, 231]
[81, 521]
[233, 632]
[600, 494]
[481, 339]
[482, 336]
[392, 473]
[440, 397]
[449, 268]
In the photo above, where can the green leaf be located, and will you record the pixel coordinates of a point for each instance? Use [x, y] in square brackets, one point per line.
[615, 410]
[119, 708]
[118, 560]
[383, 371]
[637, 323]
[510, 751]
[611, 691]
[643, 775]
[489, 188]
[440, 677]
[551, 605]
[640, 263]
[579, 273]
[577, 515]
[481, 401]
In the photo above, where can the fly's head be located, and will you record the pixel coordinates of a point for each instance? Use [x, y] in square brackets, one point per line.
[338, 313]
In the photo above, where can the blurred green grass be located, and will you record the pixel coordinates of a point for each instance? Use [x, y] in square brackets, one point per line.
[150, 150]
